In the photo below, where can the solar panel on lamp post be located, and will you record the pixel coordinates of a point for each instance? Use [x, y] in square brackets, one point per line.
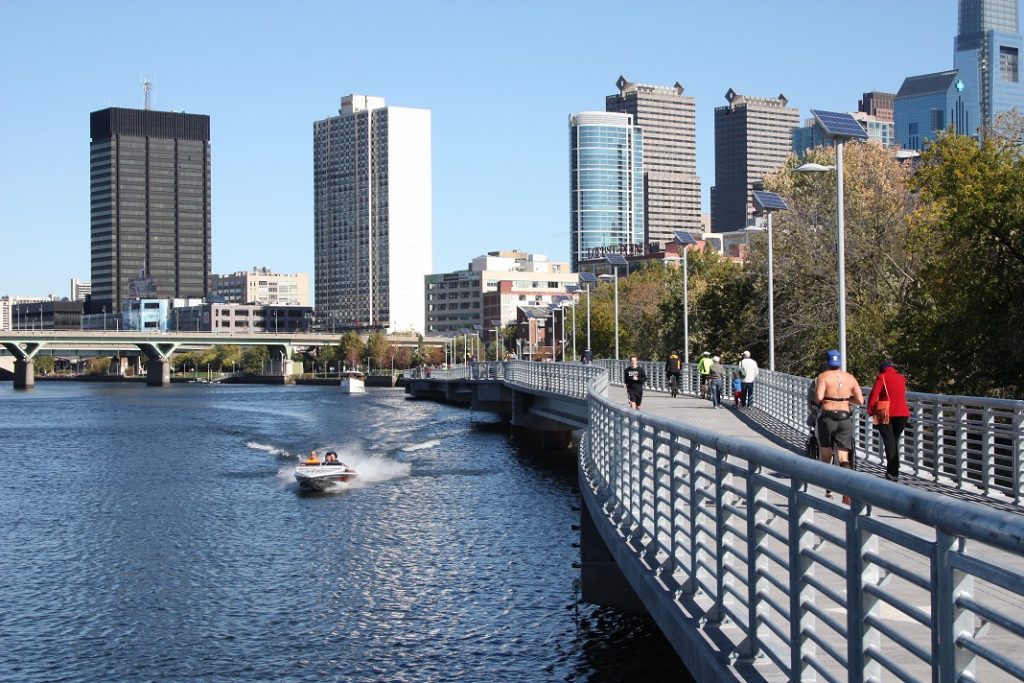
[684, 240]
[840, 127]
[616, 260]
[769, 202]
[589, 279]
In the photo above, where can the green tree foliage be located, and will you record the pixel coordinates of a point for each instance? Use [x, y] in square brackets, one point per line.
[254, 359]
[97, 366]
[376, 350]
[227, 356]
[42, 365]
[351, 346]
[965, 326]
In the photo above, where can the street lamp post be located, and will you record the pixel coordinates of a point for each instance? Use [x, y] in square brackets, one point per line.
[588, 279]
[769, 202]
[840, 127]
[684, 240]
[617, 260]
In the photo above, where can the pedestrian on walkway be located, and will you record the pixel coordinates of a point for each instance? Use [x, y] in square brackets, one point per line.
[836, 390]
[634, 379]
[717, 376]
[737, 392]
[887, 406]
[704, 373]
[748, 373]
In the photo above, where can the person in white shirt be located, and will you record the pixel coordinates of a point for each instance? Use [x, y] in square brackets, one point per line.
[748, 373]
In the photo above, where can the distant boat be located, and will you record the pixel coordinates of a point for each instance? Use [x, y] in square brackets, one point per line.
[353, 382]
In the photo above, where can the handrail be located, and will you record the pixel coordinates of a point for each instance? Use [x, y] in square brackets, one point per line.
[732, 536]
[731, 541]
[968, 442]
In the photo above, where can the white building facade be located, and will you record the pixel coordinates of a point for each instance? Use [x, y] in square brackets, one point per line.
[262, 286]
[372, 216]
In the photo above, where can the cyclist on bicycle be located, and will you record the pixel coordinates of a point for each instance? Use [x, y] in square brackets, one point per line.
[704, 371]
[673, 368]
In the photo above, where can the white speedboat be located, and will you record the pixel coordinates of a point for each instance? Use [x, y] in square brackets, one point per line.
[313, 475]
[352, 382]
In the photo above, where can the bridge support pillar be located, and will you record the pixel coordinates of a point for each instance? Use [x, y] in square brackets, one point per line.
[601, 580]
[158, 372]
[24, 373]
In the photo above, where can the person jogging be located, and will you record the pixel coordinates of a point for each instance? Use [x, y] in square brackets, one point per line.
[634, 379]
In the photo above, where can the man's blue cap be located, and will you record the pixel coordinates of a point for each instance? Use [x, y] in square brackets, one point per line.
[832, 359]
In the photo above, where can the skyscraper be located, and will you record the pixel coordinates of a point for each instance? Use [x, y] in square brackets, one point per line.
[150, 203]
[606, 183]
[671, 185]
[372, 215]
[753, 136]
[987, 57]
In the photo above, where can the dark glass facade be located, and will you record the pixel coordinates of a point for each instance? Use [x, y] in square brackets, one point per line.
[150, 204]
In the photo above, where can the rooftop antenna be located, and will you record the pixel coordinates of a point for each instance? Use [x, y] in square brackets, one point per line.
[147, 88]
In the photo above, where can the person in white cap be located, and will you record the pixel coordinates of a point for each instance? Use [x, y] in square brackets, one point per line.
[748, 373]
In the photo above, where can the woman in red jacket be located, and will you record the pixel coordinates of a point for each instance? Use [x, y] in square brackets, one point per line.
[890, 385]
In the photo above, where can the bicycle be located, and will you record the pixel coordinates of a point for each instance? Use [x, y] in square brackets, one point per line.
[673, 383]
[705, 387]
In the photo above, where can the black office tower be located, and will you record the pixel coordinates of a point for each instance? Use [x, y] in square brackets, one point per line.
[150, 202]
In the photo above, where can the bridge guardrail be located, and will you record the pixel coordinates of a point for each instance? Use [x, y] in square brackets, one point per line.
[962, 441]
[730, 531]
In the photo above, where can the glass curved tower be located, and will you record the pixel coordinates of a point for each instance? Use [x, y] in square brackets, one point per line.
[606, 183]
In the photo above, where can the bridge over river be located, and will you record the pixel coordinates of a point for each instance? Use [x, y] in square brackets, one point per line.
[713, 523]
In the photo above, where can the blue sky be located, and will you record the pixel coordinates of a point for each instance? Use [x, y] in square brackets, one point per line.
[500, 79]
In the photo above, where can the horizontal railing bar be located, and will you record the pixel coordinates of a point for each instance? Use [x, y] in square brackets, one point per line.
[991, 656]
[769, 600]
[898, 638]
[777, 559]
[921, 546]
[820, 559]
[828, 592]
[988, 572]
[840, 629]
[776, 658]
[873, 653]
[832, 652]
[769, 531]
[903, 606]
[825, 534]
[989, 614]
[892, 568]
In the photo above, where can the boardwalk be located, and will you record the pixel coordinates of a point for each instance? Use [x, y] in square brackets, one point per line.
[901, 565]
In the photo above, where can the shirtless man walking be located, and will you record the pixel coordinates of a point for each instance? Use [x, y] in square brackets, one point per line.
[836, 390]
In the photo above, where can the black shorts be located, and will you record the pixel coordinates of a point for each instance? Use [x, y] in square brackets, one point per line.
[835, 429]
[635, 395]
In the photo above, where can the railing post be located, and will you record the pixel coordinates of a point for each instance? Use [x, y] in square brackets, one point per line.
[951, 621]
[859, 604]
[724, 580]
[799, 592]
[756, 497]
[1018, 453]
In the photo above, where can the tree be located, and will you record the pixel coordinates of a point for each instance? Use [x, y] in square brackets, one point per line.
[963, 331]
[351, 348]
[883, 259]
[227, 355]
[42, 365]
[254, 359]
[376, 350]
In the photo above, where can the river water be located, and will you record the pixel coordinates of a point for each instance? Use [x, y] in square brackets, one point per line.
[158, 535]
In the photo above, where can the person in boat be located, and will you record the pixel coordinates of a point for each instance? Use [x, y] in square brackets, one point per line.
[312, 459]
[332, 459]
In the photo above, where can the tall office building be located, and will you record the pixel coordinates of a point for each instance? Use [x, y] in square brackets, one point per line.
[930, 103]
[150, 202]
[753, 136]
[987, 56]
[372, 215]
[606, 184]
[671, 185]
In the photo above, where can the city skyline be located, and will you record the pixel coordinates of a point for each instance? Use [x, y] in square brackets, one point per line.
[263, 76]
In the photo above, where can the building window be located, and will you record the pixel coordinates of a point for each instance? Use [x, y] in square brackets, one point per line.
[938, 119]
[1009, 68]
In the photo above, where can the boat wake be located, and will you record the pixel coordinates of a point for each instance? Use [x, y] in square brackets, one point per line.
[267, 448]
[371, 469]
[420, 446]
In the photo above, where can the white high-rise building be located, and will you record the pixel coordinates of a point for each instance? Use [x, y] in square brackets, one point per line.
[372, 215]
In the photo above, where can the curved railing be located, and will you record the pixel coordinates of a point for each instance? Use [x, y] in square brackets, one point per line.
[736, 543]
[962, 441]
[913, 583]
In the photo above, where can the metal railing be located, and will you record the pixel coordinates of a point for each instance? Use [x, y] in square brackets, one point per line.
[963, 441]
[901, 582]
[741, 547]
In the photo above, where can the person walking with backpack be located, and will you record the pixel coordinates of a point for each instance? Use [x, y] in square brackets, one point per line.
[748, 373]
[887, 406]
